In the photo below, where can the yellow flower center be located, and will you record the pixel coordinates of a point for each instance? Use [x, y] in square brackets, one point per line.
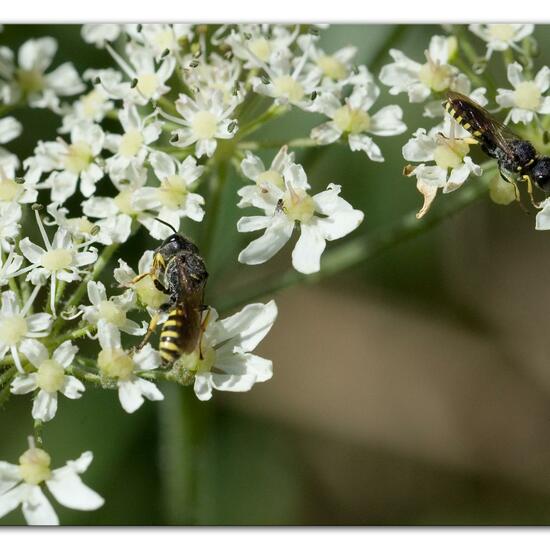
[34, 466]
[123, 202]
[115, 363]
[30, 81]
[50, 376]
[286, 86]
[81, 224]
[527, 96]
[147, 84]
[131, 143]
[331, 67]
[78, 157]
[298, 205]
[173, 191]
[9, 190]
[111, 313]
[204, 125]
[91, 103]
[501, 32]
[353, 121]
[261, 48]
[148, 293]
[270, 177]
[191, 362]
[451, 153]
[54, 260]
[12, 330]
[435, 76]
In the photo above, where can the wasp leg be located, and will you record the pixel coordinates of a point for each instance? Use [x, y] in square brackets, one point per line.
[516, 190]
[529, 182]
[470, 141]
[204, 324]
[150, 329]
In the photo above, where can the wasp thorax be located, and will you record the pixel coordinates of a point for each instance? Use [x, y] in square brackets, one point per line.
[527, 95]
[204, 125]
[12, 330]
[34, 466]
[298, 205]
[450, 153]
[50, 376]
[353, 121]
[286, 86]
[331, 67]
[115, 363]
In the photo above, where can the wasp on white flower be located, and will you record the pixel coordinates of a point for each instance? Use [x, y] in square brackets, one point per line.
[147, 81]
[351, 118]
[112, 310]
[448, 148]
[527, 98]
[22, 485]
[126, 369]
[16, 325]
[204, 120]
[61, 259]
[29, 80]
[501, 36]
[173, 199]
[49, 378]
[321, 217]
[224, 362]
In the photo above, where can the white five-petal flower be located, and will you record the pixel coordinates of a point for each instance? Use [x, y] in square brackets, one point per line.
[21, 485]
[501, 36]
[49, 377]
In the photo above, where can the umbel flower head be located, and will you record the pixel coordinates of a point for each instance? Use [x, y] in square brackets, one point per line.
[22, 485]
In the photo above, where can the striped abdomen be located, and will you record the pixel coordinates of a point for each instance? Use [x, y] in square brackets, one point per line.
[180, 333]
[464, 114]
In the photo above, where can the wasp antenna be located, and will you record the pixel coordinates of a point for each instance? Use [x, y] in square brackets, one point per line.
[167, 224]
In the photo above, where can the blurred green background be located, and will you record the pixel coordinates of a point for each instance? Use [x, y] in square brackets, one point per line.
[411, 391]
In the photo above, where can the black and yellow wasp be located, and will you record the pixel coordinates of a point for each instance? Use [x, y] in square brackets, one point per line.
[178, 270]
[517, 159]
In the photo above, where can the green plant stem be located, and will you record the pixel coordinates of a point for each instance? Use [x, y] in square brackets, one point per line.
[38, 425]
[217, 184]
[274, 111]
[360, 249]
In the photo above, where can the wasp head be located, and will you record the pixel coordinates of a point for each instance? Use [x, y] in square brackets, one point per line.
[540, 172]
[176, 243]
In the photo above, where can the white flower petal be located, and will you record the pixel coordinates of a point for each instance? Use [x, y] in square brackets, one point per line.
[72, 387]
[149, 390]
[69, 490]
[39, 322]
[203, 386]
[147, 358]
[12, 498]
[306, 256]
[65, 353]
[9, 477]
[388, 121]
[34, 351]
[129, 393]
[44, 406]
[23, 383]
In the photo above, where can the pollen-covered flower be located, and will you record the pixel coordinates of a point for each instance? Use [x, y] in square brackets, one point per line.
[452, 165]
[173, 199]
[16, 325]
[49, 378]
[322, 217]
[420, 80]
[29, 81]
[22, 484]
[501, 36]
[352, 119]
[205, 119]
[147, 293]
[527, 98]
[112, 310]
[224, 362]
[126, 369]
[61, 259]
